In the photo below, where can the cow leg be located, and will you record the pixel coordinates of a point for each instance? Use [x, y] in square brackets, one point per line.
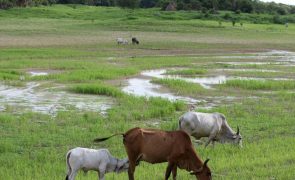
[208, 142]
[211, 139]
[131, 170]
[213, 143]
[174, 172]
[73, 175]
[101, 171]
[168, 170]
[101, 175]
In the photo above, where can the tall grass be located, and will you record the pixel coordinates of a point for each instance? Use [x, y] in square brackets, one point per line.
[261, 84]
[101, 73]
[187, 72]
[10, 75]
[96, 88]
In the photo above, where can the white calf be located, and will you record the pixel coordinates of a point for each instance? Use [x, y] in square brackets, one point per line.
[122, 41]
[90, 159]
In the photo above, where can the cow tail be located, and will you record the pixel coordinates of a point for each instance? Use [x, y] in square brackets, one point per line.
[69, 166]
[106, 138]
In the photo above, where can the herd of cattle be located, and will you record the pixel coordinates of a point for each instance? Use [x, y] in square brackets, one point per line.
[157, 146]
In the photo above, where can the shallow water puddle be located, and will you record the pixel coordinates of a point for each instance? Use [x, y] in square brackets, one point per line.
[143, 87]
[203, 81]
[252, 63]
[251, 70]
[277, 57]
[33, 73]
[34, 98]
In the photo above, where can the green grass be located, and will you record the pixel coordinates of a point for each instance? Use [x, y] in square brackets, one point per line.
[261, 84]
[96, 88]
[9, 75]
[181, 87]
[76, 45]
[187, 72]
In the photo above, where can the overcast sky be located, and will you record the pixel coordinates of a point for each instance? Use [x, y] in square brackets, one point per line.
[291, 2]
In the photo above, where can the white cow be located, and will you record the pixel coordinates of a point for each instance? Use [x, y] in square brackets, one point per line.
[212, 125]
[91, 159]
[122, 41]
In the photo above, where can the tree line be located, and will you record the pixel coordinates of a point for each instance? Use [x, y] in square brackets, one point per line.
[210, 6]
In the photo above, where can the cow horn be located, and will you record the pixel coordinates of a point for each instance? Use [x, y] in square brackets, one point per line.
[238, 131]
[205, 163]
[201, 168]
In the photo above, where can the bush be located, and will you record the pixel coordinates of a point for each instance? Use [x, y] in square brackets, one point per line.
[227, 16]
[277, 19]
[6, 4]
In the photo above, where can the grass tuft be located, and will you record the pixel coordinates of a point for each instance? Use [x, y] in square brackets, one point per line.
[187, 72]
[260, 84]
[96, 88]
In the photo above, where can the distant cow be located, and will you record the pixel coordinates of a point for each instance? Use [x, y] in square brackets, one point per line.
[135, 41]
[212, 125]
[156, 146]
[90, 159]
[122, 41]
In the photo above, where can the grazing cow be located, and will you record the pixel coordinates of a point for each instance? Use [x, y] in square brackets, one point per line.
[135, 41]
[212, 125]
[122, 41]
[156, 146]
[91, 159]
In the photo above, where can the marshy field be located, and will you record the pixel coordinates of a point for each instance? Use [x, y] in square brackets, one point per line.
[65, 81]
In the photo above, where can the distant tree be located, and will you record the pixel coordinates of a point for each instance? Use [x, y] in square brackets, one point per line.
[163, 4]
[128, 3]
[6, 4]
[245, 6]
[215, 5]
[148, 3]
[180, 5]
[234, 5]
[196, 5]
[224, 4]
[259, 7]
[277, 19]
[227, 16]
[281, 10]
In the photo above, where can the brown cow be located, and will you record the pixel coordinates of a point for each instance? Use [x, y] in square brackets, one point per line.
[156, 146]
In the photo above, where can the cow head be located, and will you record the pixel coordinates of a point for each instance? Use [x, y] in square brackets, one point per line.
[203, 173]
[122, 165]
[237, 138]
